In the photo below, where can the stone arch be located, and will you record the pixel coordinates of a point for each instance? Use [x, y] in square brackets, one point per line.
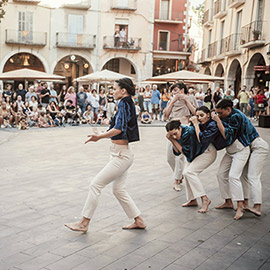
[219, 70]
[235, 75]
[207, 71]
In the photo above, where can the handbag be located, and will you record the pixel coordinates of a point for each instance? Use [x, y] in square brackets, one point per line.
[261, 105]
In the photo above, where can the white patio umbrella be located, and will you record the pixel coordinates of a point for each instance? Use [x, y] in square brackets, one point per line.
[101, 76]
[28, 74]
[185, 75]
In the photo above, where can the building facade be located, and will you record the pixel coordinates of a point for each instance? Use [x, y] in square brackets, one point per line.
[78, 38]
[170, 43]
[236, 42]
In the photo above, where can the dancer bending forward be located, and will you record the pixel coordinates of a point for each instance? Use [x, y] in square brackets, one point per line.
[123, 130]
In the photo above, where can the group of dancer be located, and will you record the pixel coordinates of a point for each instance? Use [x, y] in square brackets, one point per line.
[191, 149]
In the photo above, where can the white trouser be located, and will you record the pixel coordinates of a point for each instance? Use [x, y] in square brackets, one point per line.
[115, 171]
[251, 176]
[110, 110]
[175, 162]
[230, 170]
[194, 187]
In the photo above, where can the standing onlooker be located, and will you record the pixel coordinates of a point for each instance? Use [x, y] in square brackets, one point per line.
[266, 102]
[30, 93]
[243, 100]
[110, 104]
[251, 102]
[228, 95]
[122, 37]
[155, 101]
[61, 96]
[116, 38]
[207, 101]
[71, 95]
[82, 99]
[260, 99]
[165, 97]
[217, 96]
[53, 94]
[7, 92]
[103, 101]
[141, 100]
[199, 97]
[21, 92]
[94, 102]
[45, 95]
[147, 99]
[231, 89]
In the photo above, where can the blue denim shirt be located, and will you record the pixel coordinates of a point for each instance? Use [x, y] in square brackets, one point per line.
[239, 127]
[211, 134]
[126, 121]
[191, 147]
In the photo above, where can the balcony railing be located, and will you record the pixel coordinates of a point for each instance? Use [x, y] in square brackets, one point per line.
[115, 43]
[27, 1]
[232, 43]
[236, 3]
[76, 41]
[173, 16]
[206, 16]
[220, 9]
[212, 50]
[26, 37]
[202, 57]
[124, 4]
[252, 34]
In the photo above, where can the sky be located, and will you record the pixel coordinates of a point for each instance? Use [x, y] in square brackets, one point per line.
[57, 3]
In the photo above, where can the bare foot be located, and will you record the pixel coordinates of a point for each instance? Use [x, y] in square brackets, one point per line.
[205, 204]
[226, 205]
[77, 227]
[138, 224]
[177, 187]
[254, 211]
[239, 213]
[190, 203]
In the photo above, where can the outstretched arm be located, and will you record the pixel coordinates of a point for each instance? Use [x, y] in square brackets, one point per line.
[96, 137]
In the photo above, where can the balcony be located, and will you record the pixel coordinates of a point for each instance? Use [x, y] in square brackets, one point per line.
[203, 60]
[75, 41]
[15, 37]
[220, 9]
[208, 18]
[129, 5]
[78, 4]
[173, 17]
[128, 44]
[232, 45]
[212, 50]
[252, 35]
[236, 3]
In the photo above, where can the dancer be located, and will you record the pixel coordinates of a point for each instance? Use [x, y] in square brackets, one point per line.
[179, 108]
[240, 128]
[123, 130]
[199, 157]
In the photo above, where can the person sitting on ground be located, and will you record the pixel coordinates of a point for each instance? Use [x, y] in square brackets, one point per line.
[146, 118]
[100, 116]
[49, 119]
[88, 115]
[23, 125]
[42, 122]
[70, 112]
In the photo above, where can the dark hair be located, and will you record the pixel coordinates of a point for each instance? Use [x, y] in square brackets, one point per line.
[70, 101]
[203, 109]
[127, 84]
[174, 124]
[180, 86]
[224, 104]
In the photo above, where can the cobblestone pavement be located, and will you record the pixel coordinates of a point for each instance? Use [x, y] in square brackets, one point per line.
[44, 178]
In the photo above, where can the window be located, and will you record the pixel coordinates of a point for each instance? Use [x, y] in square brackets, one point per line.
[75, 29]
[122, 3]
[132, 70]
[165, 9]
[163, 41]
[209, 42]
[25, 26]
[113, 65]
[260, 10]
[221, 37]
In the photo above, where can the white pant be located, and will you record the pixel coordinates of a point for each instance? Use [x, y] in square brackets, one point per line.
[115, 171]
[175, 162]
[194, 187]
[251, 176]
[230, 170]
[110, 110]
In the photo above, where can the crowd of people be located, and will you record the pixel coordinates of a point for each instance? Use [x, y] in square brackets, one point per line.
[44, 107]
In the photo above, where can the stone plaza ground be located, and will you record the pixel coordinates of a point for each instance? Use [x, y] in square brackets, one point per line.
[44, 178]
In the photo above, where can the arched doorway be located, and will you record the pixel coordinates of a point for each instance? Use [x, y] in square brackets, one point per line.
[121, 65]
[255, 78]
[72, 67]
[23, 60]
[207, 71]
[235, 75]
[220, 73]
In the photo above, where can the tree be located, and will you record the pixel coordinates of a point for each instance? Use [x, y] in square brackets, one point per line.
[200, 11]
[2, 11]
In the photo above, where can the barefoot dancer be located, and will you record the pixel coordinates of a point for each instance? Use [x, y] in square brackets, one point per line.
[179, 108]
[123, 130]
[199, 157]
[240, 128]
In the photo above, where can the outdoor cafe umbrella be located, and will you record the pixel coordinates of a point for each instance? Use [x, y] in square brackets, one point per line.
[185, 75]
[28, 74]
[104, 75]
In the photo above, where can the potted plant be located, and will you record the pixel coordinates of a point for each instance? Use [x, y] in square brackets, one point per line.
[256, 34]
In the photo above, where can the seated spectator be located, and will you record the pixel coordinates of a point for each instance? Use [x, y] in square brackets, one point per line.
[42, 121]
[88, 115]
[40, 109]
[59, 120]
[49, 119]
[6, 117]
[146, 118]
[31, 93]
[100, 116]
[20, 102]
[33, 103]
[52, 109]
[71, 114]
[15, 113]
[23, 124]
[8, 102]
[33, 117]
